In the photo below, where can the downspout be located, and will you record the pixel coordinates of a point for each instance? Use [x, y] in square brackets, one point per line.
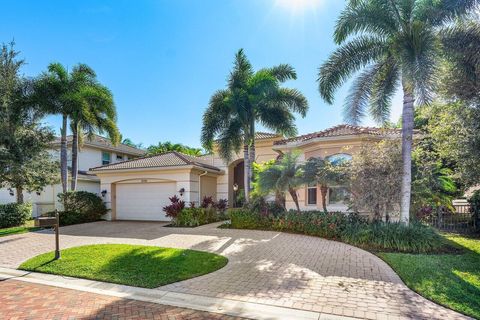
[200, 187]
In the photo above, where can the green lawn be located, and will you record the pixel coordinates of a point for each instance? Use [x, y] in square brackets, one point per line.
[452, 280]
[140, 266]
[27, 227]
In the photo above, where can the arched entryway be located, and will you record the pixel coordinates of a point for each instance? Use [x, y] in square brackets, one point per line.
[236, 183]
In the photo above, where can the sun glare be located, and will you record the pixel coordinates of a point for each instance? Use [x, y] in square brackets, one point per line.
[298, 6]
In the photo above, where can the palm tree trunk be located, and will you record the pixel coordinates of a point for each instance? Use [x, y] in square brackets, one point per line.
[19, 191]
[323, 191]
[246, 170]
[74, 156]
[63, 154]
[251, 154]
[407, 137]
[294, 195]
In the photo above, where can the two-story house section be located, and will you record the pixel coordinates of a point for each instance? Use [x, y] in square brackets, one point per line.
[93, 152]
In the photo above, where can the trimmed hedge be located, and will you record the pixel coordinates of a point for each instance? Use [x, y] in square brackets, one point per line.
[81, 207]
[194, 217]
[348, 228]
[14, 214]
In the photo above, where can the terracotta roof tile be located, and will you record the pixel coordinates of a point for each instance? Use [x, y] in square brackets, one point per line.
[167, 159]
[341, 130]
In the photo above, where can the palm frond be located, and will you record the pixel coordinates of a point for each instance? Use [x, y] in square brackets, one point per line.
[293, 99]
[230, 140]
[283, 72]
[347, 59]
[384, 84]
[364, 17]
[215, 118]
[242, 71]
[354, 108]
[438, 13]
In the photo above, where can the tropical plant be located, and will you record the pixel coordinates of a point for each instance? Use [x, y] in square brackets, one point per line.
[325, 173]
[25, 163]
[250, 98]
[286, 175]
[59, 92]
[129, 142]
[93, 111]
[162, 147]
[396, 43]
[175, 207]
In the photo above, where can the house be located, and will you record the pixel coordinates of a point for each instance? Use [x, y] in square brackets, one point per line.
[93, 152]
[138, 189]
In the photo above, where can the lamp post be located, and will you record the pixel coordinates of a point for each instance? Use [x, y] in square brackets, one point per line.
[235, 189]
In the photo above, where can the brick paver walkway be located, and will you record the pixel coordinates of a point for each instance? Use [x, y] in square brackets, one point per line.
[22, 300]
[272, 268]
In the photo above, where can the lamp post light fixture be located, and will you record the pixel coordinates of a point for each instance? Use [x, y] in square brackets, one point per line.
[181, 191]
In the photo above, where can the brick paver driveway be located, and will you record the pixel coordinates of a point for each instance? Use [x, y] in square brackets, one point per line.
[22, 300]
[272, 268]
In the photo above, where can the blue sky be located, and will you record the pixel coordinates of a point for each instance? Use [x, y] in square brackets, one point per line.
[164, 59]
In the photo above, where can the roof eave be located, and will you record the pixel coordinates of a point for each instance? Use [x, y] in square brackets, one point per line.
[166, 168]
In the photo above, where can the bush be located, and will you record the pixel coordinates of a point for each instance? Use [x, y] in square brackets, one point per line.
[173, 209]
[383, 236]
[349, 228]
[81, 207]
[14, 214]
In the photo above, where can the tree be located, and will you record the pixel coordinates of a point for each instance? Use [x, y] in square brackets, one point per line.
[129, 142]
[325, 173]
[93, 111]
[285, 175]
[25, 163]
[374, 176]
[250, 98]
[58, 92]
[162, 147]
[395, 42]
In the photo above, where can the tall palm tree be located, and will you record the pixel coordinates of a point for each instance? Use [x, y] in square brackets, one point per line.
[57, 91]
[285, 175]
[93, 112]
[250, 98]
[396, 44]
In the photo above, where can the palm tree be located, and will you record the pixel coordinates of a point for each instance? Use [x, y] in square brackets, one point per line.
[395, 42]
[325, 173]
[285, 175]
[162, 147]
[57, 90]
[93, 112]
[250, 98]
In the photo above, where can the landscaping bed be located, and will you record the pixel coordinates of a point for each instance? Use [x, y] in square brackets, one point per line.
[26, 227]
[209, 211]
[348, 228]
[134, 265]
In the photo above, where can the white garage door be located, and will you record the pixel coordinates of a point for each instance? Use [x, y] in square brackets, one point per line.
[143, 201]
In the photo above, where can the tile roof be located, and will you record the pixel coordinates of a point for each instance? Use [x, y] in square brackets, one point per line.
[266, 135]
[167, 159]
[341, 130]
[105, 143]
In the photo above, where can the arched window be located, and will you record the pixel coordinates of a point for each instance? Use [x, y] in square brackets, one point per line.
[339, 158]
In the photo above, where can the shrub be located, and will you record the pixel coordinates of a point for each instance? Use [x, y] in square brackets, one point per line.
[194, 217]
[349, 228]
[261, 206]
[81, 207]
[14, 214]
[383, 236]
[173, 209]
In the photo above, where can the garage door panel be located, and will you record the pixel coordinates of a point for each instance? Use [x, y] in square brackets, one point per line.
[143, 201]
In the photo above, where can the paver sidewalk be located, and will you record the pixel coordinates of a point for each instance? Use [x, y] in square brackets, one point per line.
[271, 268]
[23, 300]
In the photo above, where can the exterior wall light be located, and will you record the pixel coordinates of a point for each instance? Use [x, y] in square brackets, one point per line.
[235, 187]
[10, 191]
[104, 193]
[181, 191]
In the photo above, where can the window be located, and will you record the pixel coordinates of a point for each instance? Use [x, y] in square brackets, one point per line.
[106, 158]
[338, 195]
[312, 193]
[119, 157]
[339, 157]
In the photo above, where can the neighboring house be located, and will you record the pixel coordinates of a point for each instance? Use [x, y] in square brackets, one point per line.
[138, 189]
[95, 152]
